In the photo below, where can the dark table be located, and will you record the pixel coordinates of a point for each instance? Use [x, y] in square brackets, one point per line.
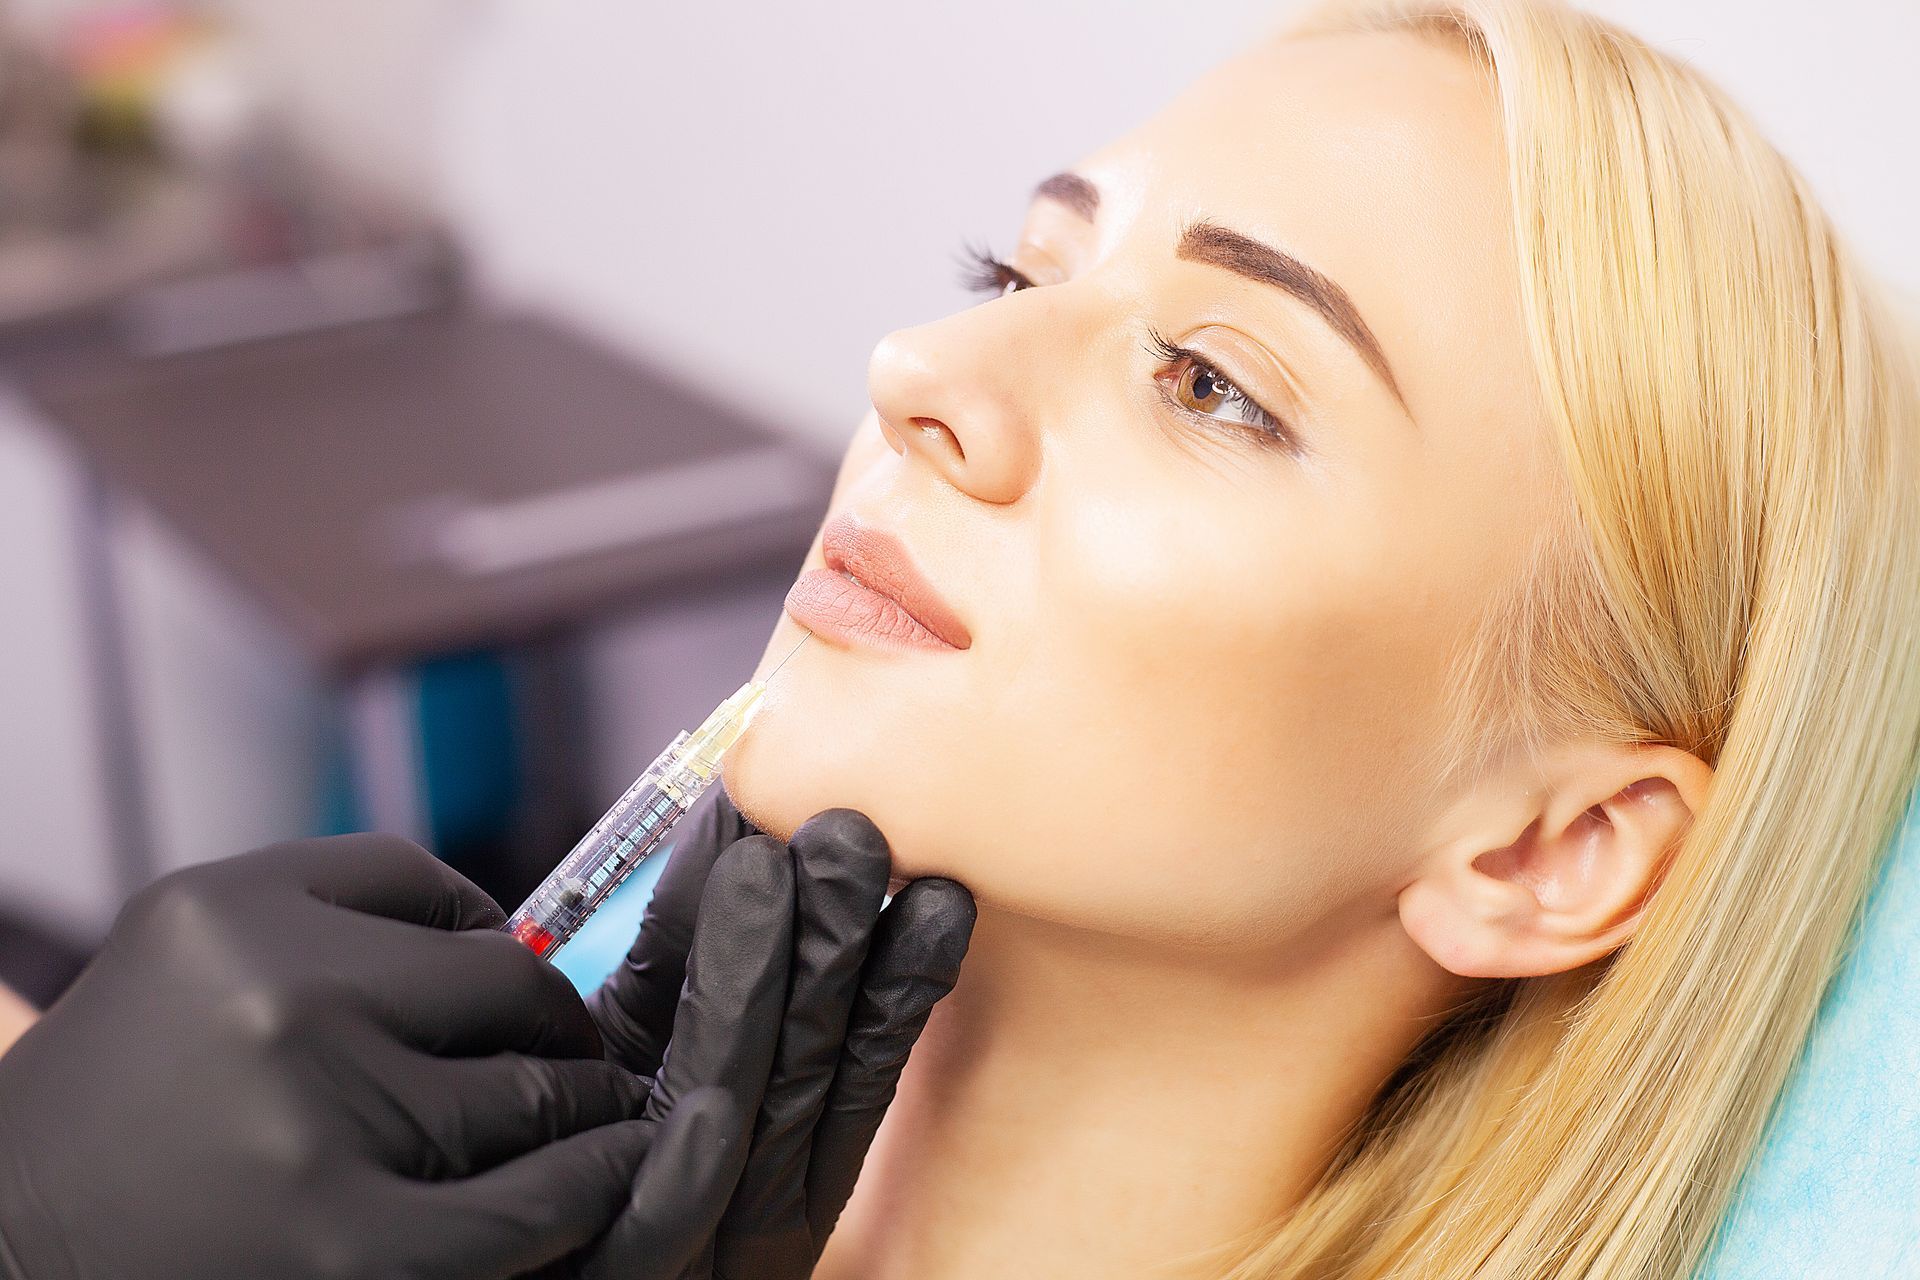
[402, 489]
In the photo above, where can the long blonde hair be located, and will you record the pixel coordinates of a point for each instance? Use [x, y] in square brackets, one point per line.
[1738, 574]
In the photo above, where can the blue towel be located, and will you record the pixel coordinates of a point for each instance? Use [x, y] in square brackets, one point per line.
[1834, 1191]
[602, 943]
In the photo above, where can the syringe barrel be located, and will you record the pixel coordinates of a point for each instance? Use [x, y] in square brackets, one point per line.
[637, 824]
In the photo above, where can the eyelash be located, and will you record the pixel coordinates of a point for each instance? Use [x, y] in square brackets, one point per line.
[983, 272]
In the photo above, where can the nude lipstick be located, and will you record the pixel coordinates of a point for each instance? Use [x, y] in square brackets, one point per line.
[872, 593]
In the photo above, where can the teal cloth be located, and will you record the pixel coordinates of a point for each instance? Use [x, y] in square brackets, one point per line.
[602, 943]
[1834, 1191]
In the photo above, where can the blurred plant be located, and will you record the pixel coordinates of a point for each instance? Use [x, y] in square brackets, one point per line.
[155, 77]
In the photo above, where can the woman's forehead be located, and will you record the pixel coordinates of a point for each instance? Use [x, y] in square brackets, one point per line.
[1377, 159]
[1386, 137]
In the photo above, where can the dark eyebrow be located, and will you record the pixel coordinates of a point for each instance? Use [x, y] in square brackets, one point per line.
[1073, 191]
[1218, 246]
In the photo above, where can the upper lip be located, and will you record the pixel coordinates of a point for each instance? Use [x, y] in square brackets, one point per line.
[880, 563]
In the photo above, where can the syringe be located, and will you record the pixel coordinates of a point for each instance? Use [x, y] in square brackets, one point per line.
[638, 824]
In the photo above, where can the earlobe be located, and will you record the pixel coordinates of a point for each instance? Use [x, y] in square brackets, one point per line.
[1548, 878]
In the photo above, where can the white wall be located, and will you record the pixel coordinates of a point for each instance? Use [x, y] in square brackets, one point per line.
[359, 78]
[55, 858]
[762, 192]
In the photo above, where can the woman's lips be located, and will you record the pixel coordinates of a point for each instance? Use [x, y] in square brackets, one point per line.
[871, 592]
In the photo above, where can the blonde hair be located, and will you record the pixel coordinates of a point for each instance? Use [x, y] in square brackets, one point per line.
[1738, 574]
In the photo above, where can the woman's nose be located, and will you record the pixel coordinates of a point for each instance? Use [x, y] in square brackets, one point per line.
[944, 393]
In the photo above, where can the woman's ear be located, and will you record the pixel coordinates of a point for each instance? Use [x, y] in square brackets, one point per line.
[1526, 881]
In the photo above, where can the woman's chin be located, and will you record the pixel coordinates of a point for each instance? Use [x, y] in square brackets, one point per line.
[842, 728]
[778, 775]
[761, 800]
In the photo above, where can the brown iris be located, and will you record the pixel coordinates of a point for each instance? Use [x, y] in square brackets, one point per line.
[1202, 389]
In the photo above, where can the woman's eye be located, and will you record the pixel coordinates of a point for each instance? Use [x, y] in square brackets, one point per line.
[1200, 390]
[982, 272]
[1201, 387]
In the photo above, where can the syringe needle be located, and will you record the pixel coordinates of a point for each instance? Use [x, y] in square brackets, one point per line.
[789, 658]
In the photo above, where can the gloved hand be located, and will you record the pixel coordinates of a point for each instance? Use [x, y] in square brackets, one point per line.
[863, 984]
[321, 1060]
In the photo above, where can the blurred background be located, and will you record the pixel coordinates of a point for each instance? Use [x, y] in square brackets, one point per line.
[413, 411]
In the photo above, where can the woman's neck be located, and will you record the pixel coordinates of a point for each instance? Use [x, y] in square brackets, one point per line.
[1083, 1106]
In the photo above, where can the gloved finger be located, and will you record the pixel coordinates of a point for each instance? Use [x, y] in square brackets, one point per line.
[379, 875]
[466, 1115]
[523, 1215]
[728, 1022]
[842, 863]
[462, 994]
[635, 1006]
[913, 963]
[680, 1193]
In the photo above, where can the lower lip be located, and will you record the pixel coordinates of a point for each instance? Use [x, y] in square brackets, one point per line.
[834, 606]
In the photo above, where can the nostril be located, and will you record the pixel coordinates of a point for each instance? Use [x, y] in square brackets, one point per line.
[937, 432]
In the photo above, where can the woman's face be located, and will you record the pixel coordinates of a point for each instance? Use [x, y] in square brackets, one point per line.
[1209, 505]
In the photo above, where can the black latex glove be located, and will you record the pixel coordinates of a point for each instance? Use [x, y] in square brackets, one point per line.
[321, 1060]
[863, 983]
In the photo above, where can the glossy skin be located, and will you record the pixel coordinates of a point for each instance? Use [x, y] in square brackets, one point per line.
[1183, 638]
